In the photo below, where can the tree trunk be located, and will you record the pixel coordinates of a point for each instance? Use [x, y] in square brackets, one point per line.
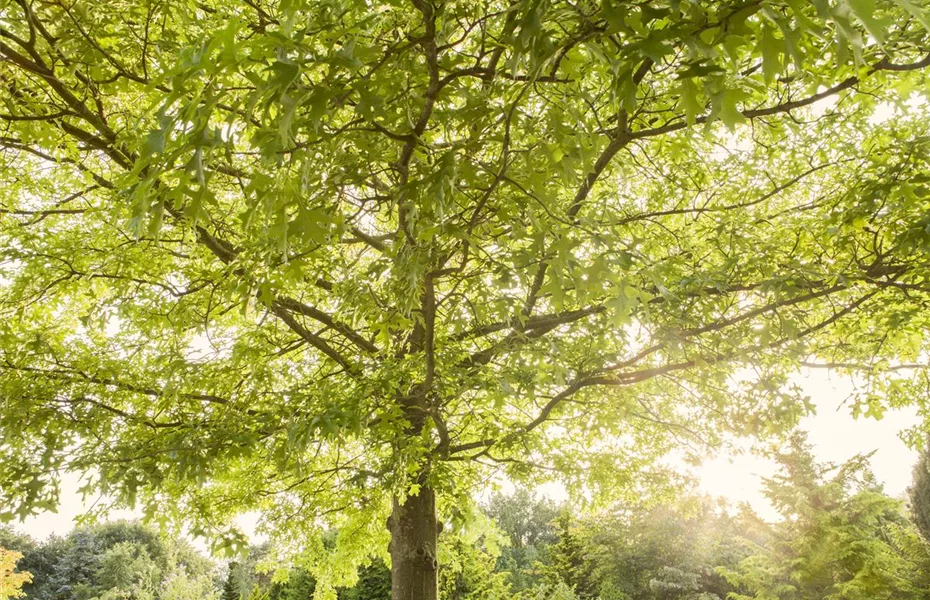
[414, 562]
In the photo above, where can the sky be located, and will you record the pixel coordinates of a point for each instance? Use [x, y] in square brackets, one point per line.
[834, 434]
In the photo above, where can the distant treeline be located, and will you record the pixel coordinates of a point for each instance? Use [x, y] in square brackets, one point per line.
[840, 538]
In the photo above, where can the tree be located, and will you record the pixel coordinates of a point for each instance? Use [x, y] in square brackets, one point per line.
[374, 583]
[115, 560]
[245, 579]
[231, 588]
[254, 577]
[34, 560]
[841, 537]
[668, 552]
[181, 585]
[470, 556]
[527, 520]
[570, 563]
[337, 261]
[11, 581]
[919, 493]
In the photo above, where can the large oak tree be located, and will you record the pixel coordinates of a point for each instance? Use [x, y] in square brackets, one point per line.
[339, 261]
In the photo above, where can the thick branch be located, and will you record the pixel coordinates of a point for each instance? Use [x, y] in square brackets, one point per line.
[638, 376]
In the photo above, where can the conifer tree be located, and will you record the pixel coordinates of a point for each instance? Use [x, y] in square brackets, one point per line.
[919, 493]
[569, 562]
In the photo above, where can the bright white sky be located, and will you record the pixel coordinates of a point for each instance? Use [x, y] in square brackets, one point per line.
[835, 435]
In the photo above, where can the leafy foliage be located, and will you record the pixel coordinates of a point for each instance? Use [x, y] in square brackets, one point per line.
[469, 573]
[919, 493]
[313, 258]
[528, 522]
[841, 538]
[374, 583]
[11, 580]
[114, 561]
[33, 558]
[670, 552]
[251, 578]
[569, 563]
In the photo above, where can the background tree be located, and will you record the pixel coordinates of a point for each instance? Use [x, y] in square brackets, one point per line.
[570, 563]
[26, 547]
[252, 577]
[245, 579]
[669, 552]
[116, 560]
[527, 519]
[841, 538]
[469, 571]
[11, 580]
[231, 589]
[374, 583]
[337, 262]
[40, 559]
[919, 493]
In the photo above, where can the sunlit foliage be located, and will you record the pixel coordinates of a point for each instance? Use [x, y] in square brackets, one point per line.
[341, 260]
[11, 580]
[841, 538]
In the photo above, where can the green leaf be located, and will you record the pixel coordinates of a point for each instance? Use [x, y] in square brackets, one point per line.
[689, 101]
[725, 108]
[921, 14]
[771, 49]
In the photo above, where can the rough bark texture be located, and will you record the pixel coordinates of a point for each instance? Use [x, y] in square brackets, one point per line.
[414, 562]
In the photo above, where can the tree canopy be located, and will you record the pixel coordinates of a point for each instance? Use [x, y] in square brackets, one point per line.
[341, 260]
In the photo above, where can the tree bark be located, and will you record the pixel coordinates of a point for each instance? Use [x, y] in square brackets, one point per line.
[414, 561]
